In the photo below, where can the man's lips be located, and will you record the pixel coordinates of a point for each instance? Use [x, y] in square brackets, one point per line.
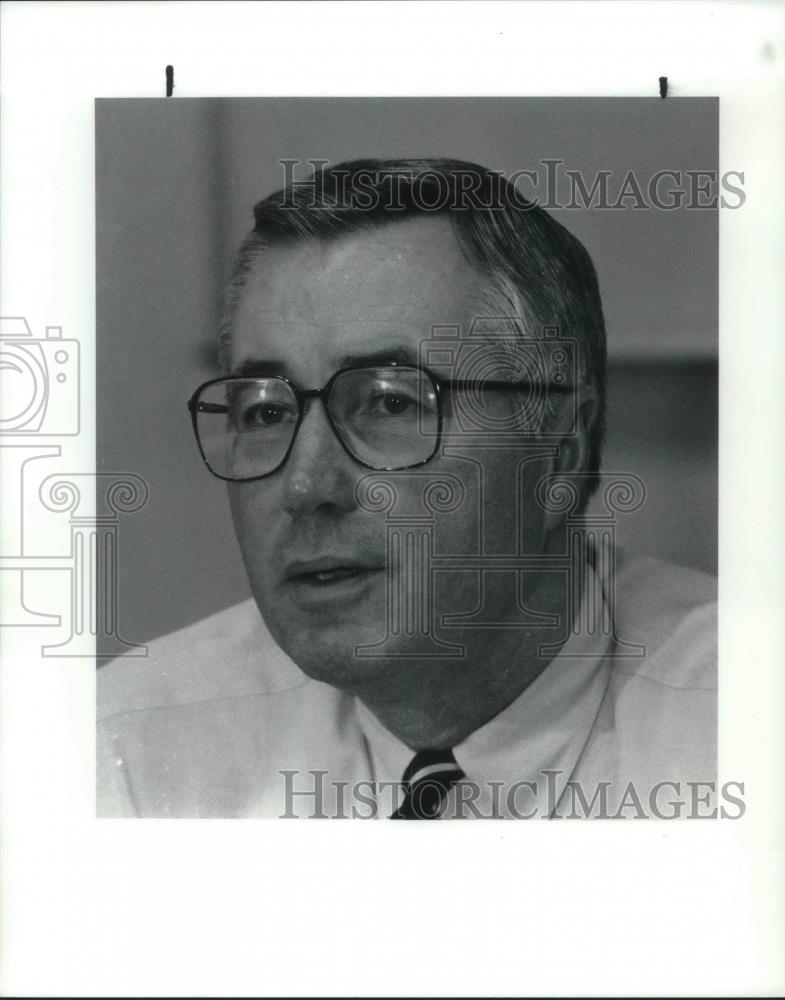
[329, 569]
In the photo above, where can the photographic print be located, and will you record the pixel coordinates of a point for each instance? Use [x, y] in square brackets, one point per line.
[435, 535]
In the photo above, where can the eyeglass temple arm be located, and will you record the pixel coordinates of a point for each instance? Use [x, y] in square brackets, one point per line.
[485, 383]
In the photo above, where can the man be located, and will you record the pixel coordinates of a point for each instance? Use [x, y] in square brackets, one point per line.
[410, 424]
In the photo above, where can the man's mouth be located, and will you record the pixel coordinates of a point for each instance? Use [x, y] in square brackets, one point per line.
[326, 571]
[332, 575]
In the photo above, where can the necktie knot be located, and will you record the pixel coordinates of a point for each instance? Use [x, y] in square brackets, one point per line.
[428, 779]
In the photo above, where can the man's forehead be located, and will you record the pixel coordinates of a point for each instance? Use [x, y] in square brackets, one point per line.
[405, 269]
[310, 304]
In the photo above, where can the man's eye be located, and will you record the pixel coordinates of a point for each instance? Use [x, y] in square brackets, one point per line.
[263, 415]
[390, 403]
[396, 403]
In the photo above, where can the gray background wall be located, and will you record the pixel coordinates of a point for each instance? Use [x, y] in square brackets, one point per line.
[175, 184]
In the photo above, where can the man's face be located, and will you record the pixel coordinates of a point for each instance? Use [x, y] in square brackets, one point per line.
[317, 560]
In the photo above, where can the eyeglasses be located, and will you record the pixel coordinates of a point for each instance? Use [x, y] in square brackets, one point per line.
[386, 418]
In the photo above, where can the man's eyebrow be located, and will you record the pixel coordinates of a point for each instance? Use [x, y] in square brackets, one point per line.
[257, 367]
[387, 356]
[261, 368]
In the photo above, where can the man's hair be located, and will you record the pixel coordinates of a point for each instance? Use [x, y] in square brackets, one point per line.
[541, 275]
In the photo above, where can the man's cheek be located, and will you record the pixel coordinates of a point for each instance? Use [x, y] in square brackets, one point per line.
[455, 592]
[253, 524]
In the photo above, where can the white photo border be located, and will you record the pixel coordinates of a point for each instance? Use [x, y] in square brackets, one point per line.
[256, 908]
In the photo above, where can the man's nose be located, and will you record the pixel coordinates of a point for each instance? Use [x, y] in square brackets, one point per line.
[318, 475]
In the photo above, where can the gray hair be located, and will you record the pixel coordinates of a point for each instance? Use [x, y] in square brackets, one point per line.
[535, 266]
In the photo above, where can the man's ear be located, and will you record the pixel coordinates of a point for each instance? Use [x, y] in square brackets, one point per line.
[575, 421]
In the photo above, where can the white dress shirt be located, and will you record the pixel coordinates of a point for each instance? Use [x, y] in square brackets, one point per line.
[218, 721]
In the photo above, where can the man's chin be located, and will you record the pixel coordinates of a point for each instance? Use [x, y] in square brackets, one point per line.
[333, 650]
[337, 655]
[351, 644]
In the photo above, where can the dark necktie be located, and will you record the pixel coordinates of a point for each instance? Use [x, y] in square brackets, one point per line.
[428, 779]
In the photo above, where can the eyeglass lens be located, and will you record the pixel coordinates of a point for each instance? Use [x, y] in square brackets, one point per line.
[387, 418]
